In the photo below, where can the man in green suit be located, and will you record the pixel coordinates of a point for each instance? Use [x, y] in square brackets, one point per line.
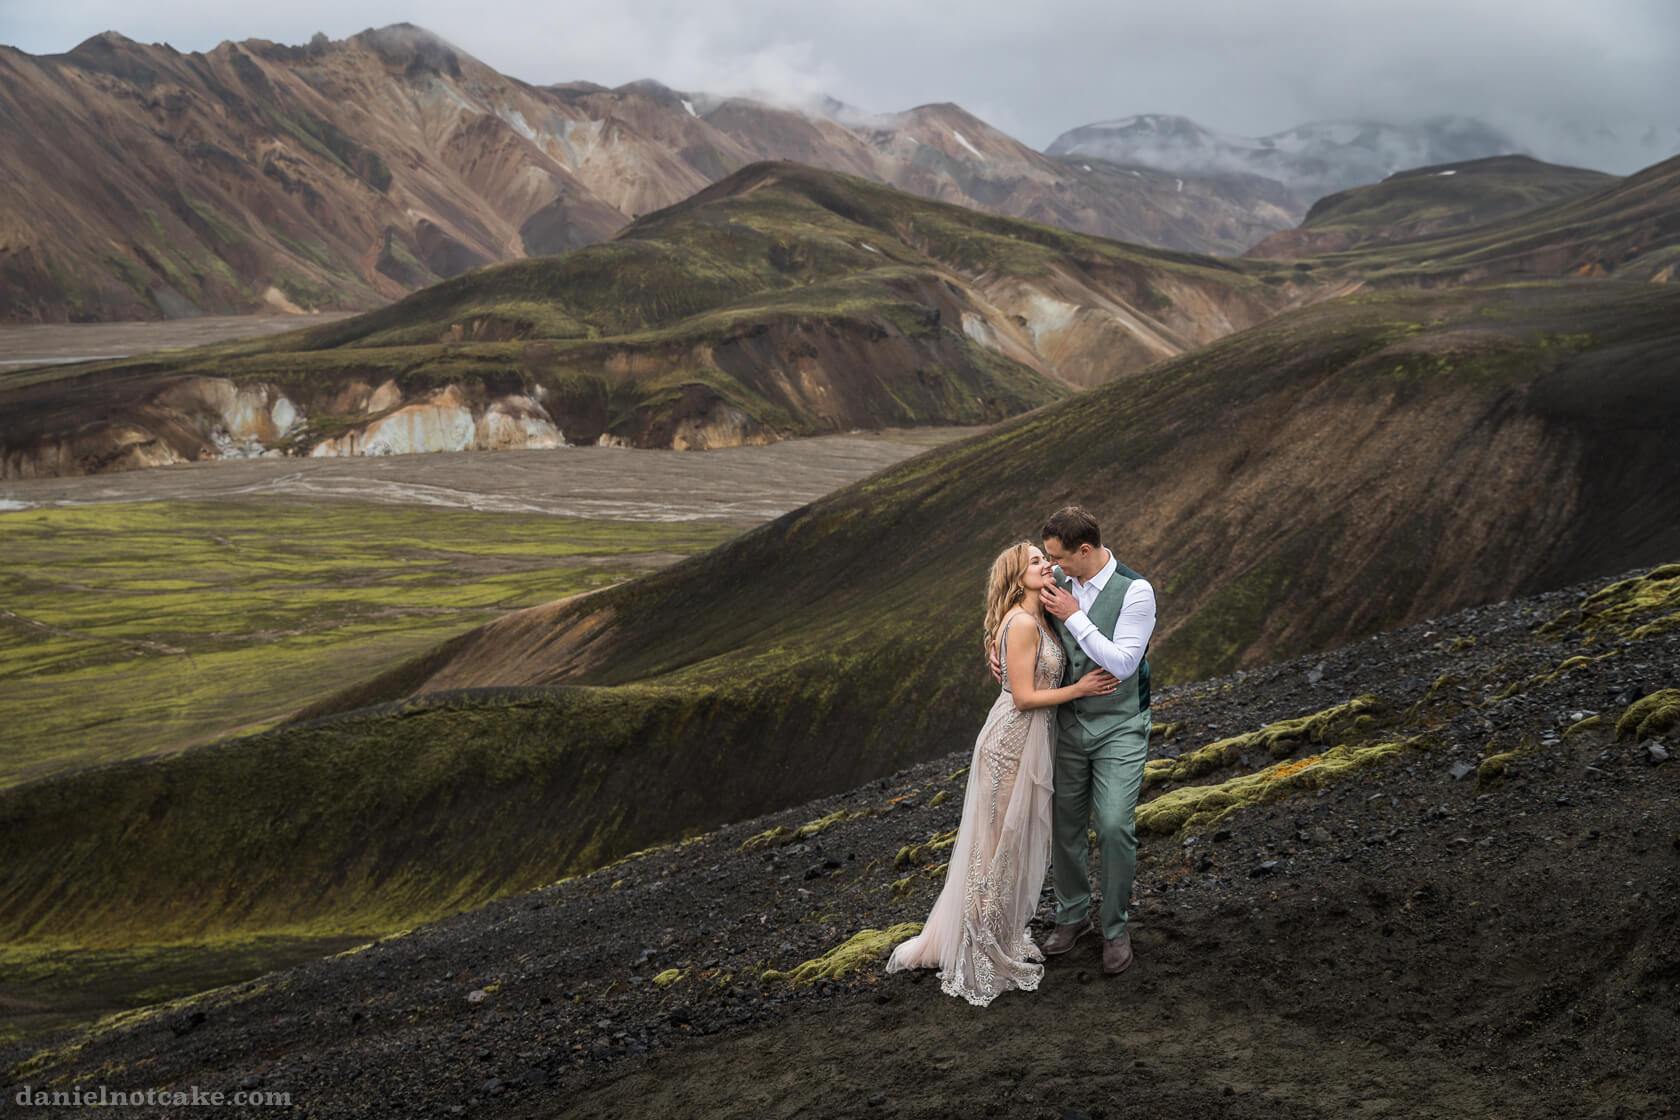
[1105, 614]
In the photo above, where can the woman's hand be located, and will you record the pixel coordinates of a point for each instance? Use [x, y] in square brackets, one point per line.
[1098, 682]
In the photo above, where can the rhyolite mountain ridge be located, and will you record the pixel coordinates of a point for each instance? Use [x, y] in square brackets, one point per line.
[780, 301]
[142, 182]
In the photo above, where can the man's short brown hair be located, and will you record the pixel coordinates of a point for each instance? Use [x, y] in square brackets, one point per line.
[1073, 526]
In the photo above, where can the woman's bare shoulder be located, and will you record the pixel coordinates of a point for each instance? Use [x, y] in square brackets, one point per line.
[1018, 635]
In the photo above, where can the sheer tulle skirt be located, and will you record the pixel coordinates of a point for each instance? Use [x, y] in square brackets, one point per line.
[976, 934]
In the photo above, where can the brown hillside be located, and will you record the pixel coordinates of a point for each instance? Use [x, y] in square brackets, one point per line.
[781, 301]
[1289, 488]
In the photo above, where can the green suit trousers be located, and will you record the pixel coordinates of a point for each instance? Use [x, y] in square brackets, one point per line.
[1097, 779]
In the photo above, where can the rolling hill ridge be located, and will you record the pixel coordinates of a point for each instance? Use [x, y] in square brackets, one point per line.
[1629, 229]
[781, 301]
[1428, 201]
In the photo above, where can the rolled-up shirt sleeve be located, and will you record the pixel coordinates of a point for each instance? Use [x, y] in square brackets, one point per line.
[1121, 654]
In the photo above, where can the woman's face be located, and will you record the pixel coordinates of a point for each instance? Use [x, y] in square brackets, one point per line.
[1038, 576]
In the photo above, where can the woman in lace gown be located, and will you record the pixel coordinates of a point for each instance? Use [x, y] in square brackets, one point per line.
[976, 934]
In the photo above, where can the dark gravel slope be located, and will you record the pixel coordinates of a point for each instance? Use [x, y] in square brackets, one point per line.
[1483, 924]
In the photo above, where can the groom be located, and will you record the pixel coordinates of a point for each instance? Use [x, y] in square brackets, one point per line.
[1105, 614]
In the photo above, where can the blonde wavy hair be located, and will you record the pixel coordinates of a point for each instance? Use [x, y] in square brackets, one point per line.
[1006, 587]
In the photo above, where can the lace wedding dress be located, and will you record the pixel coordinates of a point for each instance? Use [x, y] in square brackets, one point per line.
[976, 934]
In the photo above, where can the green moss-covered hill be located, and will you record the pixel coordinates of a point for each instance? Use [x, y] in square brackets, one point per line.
[1428, 201]
[1342, 469]
[781, 301]
[1629, 229]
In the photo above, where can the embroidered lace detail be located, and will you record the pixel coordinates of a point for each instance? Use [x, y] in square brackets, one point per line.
[978, 936]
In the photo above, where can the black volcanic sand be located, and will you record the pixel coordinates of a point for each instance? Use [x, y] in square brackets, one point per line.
[1403, 943]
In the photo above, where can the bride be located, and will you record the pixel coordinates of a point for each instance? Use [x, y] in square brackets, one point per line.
[976, 934]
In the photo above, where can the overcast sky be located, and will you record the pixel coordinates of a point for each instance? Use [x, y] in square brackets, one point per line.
[1034, 70]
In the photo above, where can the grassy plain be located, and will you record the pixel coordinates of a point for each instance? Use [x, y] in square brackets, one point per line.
[142, 628]
[129, 629]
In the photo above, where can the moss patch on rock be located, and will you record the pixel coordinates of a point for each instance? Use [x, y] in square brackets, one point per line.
[1649, 717]
[782, 836]
[1279, 740]
[1638, 607]
[861, 950]
[1198, 806]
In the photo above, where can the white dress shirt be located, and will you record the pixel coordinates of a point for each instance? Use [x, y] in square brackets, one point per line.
[1122, 653]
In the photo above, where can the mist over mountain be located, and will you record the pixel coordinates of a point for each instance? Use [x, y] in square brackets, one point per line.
[1314, 159]
[1619, 146]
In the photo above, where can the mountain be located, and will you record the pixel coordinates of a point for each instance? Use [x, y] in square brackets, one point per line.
[1629, 229]
[1342, 469]
[780, 301]
[1427, 201]
[142, 182]
[1298, 893]
[1310, 160]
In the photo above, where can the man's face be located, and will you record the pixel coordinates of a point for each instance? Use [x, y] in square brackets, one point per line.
[1072, 563]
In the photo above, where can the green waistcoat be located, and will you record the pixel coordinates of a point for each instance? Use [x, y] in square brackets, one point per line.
[1102, 715]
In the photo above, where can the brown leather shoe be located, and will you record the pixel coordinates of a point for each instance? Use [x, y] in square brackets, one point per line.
[1117, 954]
[1061, 938]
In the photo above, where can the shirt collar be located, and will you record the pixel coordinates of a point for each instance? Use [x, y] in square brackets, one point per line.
[1100, 580]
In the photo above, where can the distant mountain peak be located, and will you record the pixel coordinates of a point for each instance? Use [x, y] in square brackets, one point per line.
[414, 48]
[655, 90]
[104, 38]
[113, 53]
[1317, 157]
